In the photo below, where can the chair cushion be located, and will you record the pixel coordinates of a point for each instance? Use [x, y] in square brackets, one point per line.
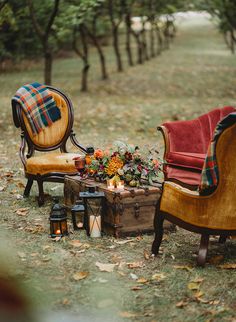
[51, 162]
[187, 177]
[186, 160]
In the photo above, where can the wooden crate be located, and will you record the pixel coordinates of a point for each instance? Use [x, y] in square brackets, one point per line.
[129, 212]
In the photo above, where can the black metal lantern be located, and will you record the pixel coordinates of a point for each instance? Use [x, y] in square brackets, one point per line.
[94, 208]
[77, 214]
[58, 220]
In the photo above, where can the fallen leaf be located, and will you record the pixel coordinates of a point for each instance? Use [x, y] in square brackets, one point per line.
[136, 288]
[227, 266]
[215, 260]
[80, 276]
[128, 315]
[158, 276]
[105, 267]
[22, 211]
[146, 254]
[65, 301]
[193, 286]
[142, 280]
[2, 188]
[122, 242]
[75, 243]
[184, 267]
[181, 304]
[135, 265]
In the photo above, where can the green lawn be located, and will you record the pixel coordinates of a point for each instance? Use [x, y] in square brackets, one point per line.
[196, 75]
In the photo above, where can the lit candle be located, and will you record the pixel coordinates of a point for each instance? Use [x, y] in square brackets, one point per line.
[95, 226]
[120, 185]
[110, 184]
[58, 232]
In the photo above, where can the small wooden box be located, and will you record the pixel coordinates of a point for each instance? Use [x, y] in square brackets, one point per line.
[128, 212]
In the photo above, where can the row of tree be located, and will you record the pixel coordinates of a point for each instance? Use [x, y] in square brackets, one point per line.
[39, 28]
[225, 13]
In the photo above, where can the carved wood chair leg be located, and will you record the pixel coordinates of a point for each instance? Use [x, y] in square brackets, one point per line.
[28, 188]
[202, 253]
[158, 227]
[41, 193]
[222, 239]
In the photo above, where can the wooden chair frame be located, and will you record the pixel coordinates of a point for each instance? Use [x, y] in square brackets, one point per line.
[26, 142]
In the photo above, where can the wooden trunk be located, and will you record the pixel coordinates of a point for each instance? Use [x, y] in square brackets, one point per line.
[128, 212]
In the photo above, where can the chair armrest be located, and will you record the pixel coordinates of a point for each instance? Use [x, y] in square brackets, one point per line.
[76, 143]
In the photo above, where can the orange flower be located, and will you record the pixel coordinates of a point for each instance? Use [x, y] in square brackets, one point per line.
[88, 159]
[98, 154]
[114, 165]
[156, 163]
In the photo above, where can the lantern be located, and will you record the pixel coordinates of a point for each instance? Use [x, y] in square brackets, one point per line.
[77, 214]
[58, 220]
[94, 207]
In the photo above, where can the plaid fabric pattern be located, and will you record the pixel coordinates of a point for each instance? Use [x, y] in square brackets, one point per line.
[210, 173]
[38, 105]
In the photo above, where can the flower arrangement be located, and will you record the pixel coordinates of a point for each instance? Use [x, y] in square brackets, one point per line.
[124, 162]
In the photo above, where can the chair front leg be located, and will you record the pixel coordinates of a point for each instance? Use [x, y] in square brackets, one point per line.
[28, 187]
[41, 193]
[202, 253]
[158, 227]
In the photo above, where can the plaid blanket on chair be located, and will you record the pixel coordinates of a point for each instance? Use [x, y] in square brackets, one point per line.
[210, 173]
[38, 105]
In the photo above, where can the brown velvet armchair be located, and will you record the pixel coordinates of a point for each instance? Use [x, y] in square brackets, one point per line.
[46, 166]
[214, 213]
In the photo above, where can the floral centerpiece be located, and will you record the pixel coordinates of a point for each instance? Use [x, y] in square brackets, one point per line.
[124, 162]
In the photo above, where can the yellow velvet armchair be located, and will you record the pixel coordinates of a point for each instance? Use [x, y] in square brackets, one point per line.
[213, 214]
[45, 166]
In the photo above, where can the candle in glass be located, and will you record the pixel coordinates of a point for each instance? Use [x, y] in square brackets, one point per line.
[95, 226]
[120, 185]
[110, 184]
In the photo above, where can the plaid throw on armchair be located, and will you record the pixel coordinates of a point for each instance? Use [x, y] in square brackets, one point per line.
[210, 173]
[38, 105]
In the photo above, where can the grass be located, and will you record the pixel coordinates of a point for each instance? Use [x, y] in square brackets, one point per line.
[197, 74]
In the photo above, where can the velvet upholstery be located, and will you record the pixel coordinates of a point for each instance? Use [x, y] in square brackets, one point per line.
[51, 135]
[186, 144]
[211, 214]
[51, 162]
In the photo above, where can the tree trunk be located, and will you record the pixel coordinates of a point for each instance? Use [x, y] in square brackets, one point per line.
[159, 41]
[116, 48]
[232, 41]
[128, 39]
[139, 47]
[144, 41]
[47, 67]
[101, 55]
[84, 78]
[152, 42]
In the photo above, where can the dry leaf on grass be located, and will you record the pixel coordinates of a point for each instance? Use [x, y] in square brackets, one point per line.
[227, 266]
[184, 267]
[135, 264]
[215, 260]
[193, 286]
[75, 243]
[2, 188]
[181, 304]
[142, 280]
[80, 276]
[158, 277]
[146, 254]
[105, 267]
[22, 211]
[21, 254]
[122, 242]
[128, 315]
